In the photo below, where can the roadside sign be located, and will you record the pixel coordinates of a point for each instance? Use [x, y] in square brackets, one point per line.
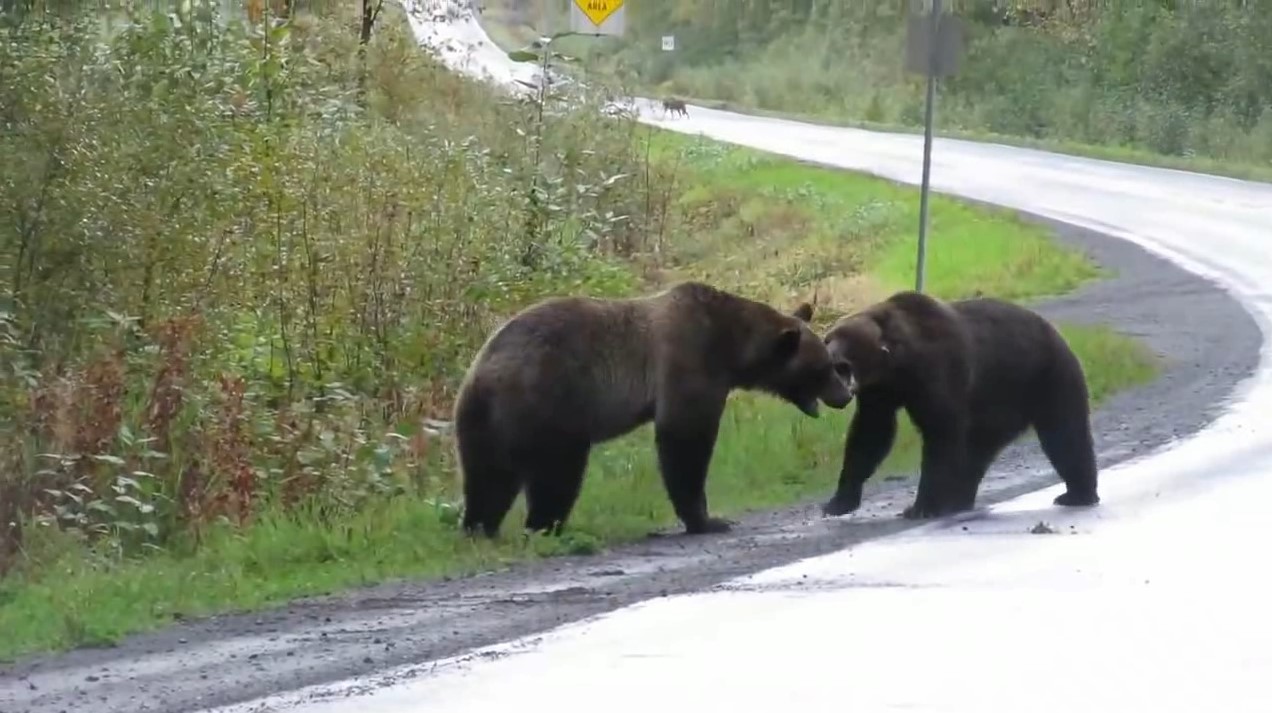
[937, 49]
[933, 46]
[598, 17]
[669, 43]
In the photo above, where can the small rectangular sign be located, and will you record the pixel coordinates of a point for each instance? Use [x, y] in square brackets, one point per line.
[918, 43]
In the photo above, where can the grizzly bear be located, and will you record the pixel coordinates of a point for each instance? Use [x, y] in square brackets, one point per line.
[972, 375]
[675, 106]
[571, 372]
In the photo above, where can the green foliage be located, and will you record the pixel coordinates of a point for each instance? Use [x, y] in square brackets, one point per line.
[849, 239]
[232, 278]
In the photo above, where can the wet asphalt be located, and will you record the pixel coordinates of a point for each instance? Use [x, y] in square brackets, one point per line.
[1207, 344]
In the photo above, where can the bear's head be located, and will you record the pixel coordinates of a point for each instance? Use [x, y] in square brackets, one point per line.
[860, 350]
[801, 370]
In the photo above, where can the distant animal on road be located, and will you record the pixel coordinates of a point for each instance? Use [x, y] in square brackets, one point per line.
[675, 106]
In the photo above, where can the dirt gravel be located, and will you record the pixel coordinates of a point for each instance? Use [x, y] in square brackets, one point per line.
[1208, 344]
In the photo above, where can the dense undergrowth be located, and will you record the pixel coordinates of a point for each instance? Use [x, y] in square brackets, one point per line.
[232, 278]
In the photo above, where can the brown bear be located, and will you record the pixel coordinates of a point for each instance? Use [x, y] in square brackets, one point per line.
[972, 375]
[570, 372]
[675, 106]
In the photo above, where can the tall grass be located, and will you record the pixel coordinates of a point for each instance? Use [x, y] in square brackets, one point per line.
[232, 278]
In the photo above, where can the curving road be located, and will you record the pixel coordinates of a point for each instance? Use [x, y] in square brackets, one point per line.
[1151, 602]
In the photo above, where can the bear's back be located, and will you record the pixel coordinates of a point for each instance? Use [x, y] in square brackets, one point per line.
[1014, 349]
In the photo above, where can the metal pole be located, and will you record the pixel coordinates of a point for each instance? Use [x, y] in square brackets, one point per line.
[927, 146]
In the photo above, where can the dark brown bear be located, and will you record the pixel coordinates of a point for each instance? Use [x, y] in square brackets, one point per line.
[973, 375]
[571, 372]
[675, 106]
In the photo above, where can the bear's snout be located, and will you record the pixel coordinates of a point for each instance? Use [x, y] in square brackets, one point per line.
[842, 387]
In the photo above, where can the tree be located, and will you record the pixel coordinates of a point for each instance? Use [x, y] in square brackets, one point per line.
[370, 13]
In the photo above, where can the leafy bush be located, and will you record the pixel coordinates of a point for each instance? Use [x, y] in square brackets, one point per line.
[244, 264]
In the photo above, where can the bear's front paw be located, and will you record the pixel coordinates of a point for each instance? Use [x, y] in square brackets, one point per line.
[842, 504]
[709, 526]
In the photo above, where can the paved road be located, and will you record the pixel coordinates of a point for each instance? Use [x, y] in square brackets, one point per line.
[1154, 604]
[1151, 602]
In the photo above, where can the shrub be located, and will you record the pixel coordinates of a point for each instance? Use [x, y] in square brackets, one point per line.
[245, 263]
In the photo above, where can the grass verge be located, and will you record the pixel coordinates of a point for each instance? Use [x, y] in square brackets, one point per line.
[767, 226]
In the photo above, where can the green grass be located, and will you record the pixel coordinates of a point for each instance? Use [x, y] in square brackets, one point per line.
[776, 229]
[782, 228]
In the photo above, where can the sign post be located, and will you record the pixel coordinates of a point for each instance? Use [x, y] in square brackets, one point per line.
[669, 43]
[598, 17]
[934, 45]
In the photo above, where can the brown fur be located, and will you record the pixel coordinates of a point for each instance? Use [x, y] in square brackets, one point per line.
[571, 372]
[675, 106]
[973, 375]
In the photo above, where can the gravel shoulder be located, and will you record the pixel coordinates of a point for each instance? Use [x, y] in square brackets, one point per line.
[1208, 344]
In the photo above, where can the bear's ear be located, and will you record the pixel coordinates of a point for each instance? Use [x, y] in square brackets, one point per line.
[787, 345]
[804, 312]
[883, 318]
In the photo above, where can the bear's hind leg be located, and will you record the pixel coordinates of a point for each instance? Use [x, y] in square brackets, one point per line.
[489, 491]
[554, 475]
[490, 484]
[1069, 447]
[1064, 432]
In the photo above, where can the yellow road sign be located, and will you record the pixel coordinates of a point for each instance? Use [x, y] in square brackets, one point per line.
[598, 11]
